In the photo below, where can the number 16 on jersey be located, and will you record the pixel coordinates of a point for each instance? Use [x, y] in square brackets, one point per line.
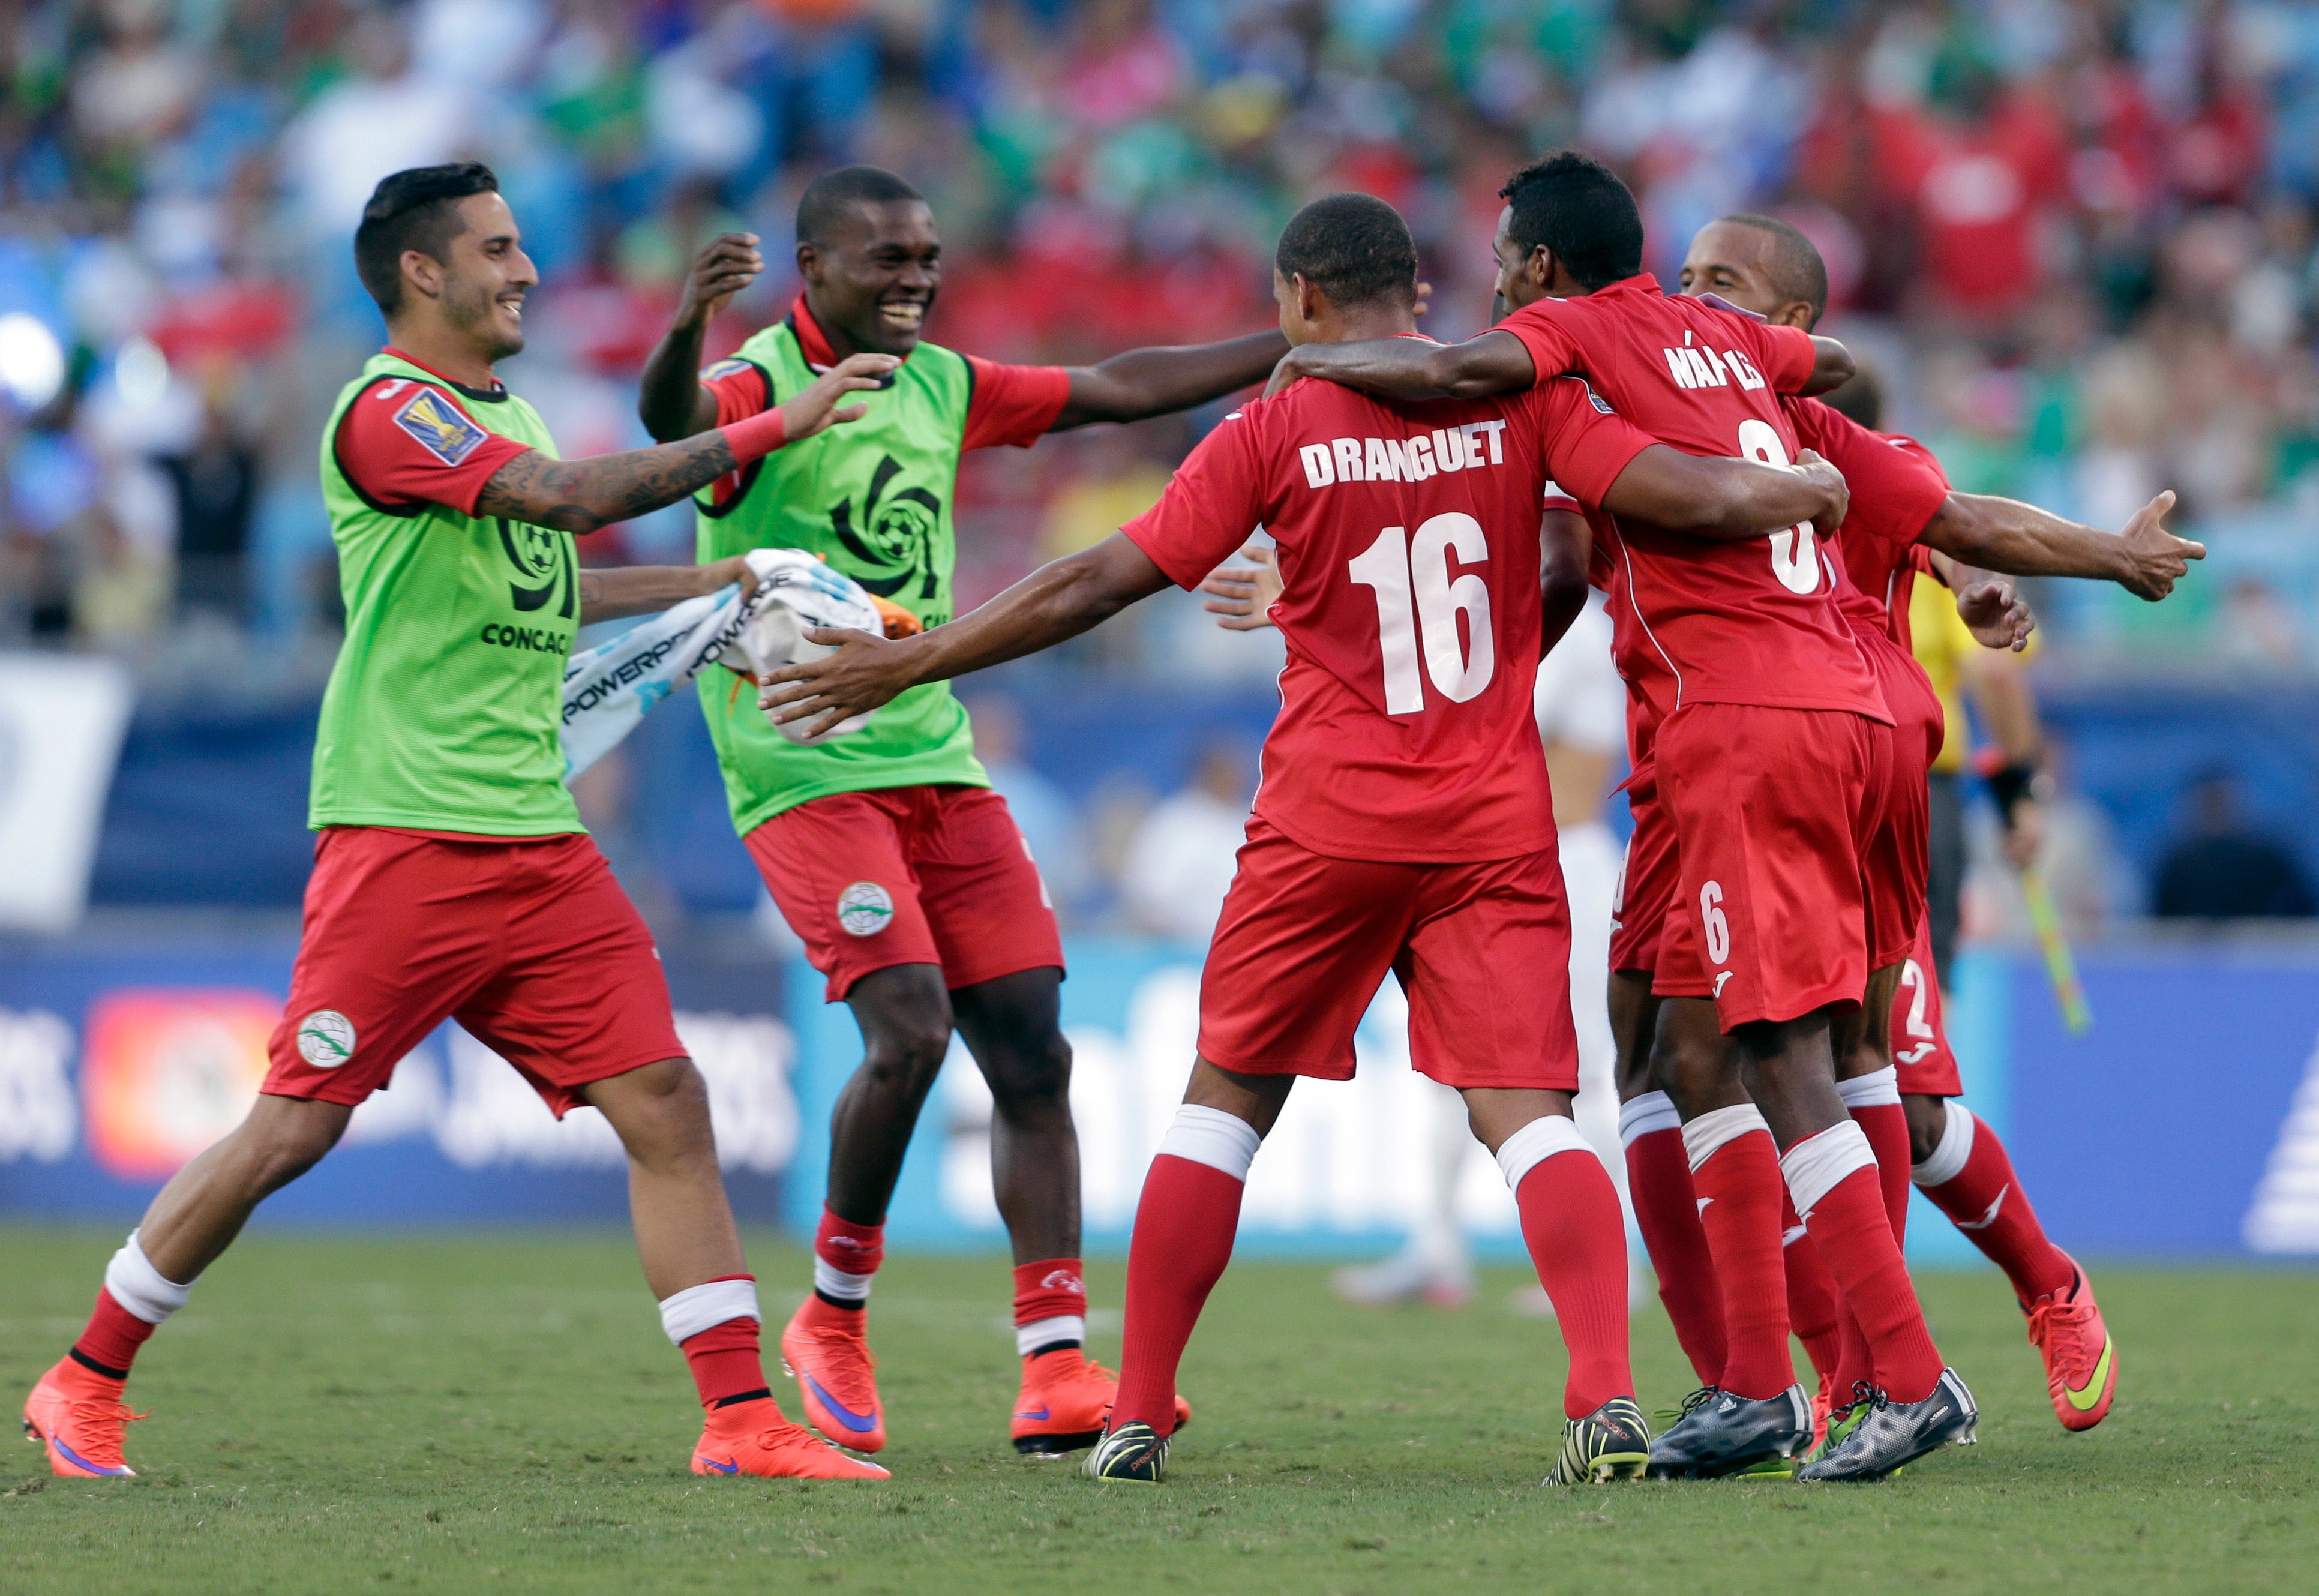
[1418, 606]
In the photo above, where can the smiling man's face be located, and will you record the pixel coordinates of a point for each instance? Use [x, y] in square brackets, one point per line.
[871, 282]
[486, 275]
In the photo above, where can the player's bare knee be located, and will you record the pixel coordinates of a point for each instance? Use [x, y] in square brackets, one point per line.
[284, 1137]
[1032, 1078]
[660, 1112]
[907, 1054]
[1928, 1122]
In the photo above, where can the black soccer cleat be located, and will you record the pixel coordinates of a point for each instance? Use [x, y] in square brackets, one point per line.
[1895, 1433]
[1133, 1454]
[1721, 1433]
[1610, 1443]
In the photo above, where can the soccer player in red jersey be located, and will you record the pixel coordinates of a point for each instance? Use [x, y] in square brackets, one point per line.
[1404, 821]
[1905, 517]
[453, 878]
[1772, 745]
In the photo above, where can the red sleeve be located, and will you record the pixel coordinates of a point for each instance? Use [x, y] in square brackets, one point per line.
[1214, 501]
[1786, 355]
[1552, 348]
[1586, 443]
[741, 389]
[1014, 404]
[1895, 490]
[403, 444]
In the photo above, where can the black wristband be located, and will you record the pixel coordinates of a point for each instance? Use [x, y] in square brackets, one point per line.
[2012, 785]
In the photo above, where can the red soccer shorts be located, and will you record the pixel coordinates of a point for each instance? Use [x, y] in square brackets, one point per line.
[1922, 1062]
[528, 942]
[910, 875]
[1898, 856]
[1482, 950]
[1646, 881]
[1773, 810]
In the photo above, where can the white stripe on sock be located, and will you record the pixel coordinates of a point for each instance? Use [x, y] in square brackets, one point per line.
[831, 1281]
[1536, 1143]
[1814, 1166]
[1047, 1332]
[1652, 1110]
[1869, 1091]
[1210, 1136]
[1702, 1137]
[1956, 1149]
[702, 1307]
[136, 1285]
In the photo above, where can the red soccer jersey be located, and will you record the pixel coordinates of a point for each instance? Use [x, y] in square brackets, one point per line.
[1734, 623]
[1896, 486]
[1409, 564]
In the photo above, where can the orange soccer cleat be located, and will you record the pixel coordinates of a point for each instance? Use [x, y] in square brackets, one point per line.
[1065, 1401]
[750, 1439]
[2080, 1358]
[80, 1419]
[827, 1350]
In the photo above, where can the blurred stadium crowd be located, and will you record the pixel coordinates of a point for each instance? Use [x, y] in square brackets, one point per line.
[2076, 238]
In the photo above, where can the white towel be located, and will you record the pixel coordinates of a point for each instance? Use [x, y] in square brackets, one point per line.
[608, 689]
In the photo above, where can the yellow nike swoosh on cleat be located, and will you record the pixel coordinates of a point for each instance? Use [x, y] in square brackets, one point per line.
[2085, 1401]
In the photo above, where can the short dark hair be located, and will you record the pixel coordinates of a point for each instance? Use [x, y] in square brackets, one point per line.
[1354, 247]
[1575, 206]
[1797, 270]
[825, 200]
[413, 209]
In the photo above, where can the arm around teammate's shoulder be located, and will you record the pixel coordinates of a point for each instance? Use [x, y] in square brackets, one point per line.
[584, 495]
[1159, 381]
[1727, 500]
[1494, 362]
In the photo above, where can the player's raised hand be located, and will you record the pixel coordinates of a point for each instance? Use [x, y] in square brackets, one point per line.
[816, 406]
[860, 673]
[1831, 482]
[2160, 558]
[1995, 614]
[729, 264]
[1240, 596]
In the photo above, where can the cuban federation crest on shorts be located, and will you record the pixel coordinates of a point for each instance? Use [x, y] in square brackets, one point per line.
[865, 909]
[326, 1038]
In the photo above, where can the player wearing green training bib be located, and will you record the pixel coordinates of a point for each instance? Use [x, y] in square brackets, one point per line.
[453, 878]
[886, 849]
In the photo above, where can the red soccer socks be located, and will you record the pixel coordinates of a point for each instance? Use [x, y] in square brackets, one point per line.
[1049, 1306]
[1874, 1102]
[715, 1324]
[1666, 1212]
[1969, 1178]
[1184, 1229]
[1832, 1175]
[1734, 1172]
[845, 1259]
[131, 1305]
[1814, 1309]
[1570, 1223]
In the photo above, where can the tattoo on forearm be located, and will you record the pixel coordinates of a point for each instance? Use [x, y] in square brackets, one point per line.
[583, 495]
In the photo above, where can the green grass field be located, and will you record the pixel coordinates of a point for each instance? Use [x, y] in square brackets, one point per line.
[500, 1412]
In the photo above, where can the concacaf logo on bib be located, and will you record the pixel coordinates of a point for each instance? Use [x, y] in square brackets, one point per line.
[865, 909]
[326, 1038]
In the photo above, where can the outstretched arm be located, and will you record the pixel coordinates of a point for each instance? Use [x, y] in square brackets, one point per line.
[671, 400]
[2022, 540]
[1727, 500]
[611, 592]
[1494, 362]
[583, 495]
[1155, 382]
[1056, 601]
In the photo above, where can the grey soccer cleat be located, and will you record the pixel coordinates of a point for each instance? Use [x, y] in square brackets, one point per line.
[1610, 1443]
[1897, 1433]
[1721, 1433]
[1134, 1453]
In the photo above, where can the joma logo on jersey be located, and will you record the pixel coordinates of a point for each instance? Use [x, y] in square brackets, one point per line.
[1695, 366]
[895, 538]
[1403, 459]
[542, 565]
